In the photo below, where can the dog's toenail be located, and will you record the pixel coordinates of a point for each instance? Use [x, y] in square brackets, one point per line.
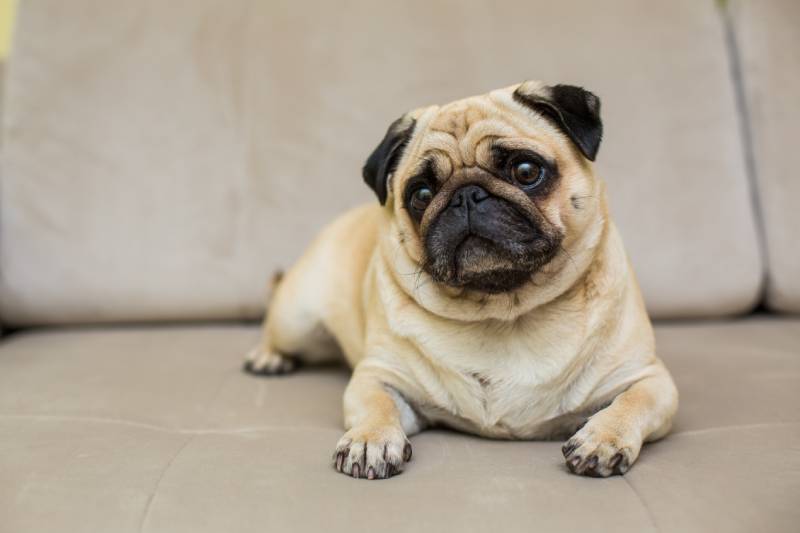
[615, 460]
[568, 448]
[623, 466]
[407, 452]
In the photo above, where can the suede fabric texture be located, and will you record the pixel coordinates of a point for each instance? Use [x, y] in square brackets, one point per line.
[157, 429]
[768, 36]
[163, 158]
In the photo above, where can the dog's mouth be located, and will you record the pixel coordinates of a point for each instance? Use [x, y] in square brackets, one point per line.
[482, 265]
[489, 266]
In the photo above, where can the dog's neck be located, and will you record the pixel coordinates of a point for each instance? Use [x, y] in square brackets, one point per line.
[592, 268]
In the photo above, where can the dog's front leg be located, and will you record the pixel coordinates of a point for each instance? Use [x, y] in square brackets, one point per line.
[378, 420]
[611, 439]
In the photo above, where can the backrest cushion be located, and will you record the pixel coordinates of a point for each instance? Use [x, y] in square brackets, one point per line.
[768, 35]
[162, 158]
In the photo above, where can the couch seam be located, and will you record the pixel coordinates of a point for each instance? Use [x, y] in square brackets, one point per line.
[728, 428]
[154, 427]
[745, 130]
[644, 505]
[151, 499]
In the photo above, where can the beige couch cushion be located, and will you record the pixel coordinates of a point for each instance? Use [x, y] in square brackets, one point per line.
[768, 34]
[162, 158]
[137, 429]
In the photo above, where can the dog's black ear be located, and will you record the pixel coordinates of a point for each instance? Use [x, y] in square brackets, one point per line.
[383, 160]
[573, 109]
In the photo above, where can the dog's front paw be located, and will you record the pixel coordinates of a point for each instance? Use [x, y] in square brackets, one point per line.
[372, 453]
[266, 363]
[600, 451]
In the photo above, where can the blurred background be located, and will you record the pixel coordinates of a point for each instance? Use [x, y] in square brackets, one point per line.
[162, 158]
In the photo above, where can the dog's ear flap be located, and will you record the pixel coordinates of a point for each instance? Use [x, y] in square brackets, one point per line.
[383, 161]
[574, 110]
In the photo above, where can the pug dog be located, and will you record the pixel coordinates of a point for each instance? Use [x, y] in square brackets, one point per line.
[487, 291]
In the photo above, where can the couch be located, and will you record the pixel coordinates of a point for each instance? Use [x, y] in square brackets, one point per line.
[160, 159]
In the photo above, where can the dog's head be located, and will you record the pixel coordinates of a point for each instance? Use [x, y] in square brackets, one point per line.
[489, 190]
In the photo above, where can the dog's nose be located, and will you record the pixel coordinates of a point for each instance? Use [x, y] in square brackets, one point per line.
[469, 195]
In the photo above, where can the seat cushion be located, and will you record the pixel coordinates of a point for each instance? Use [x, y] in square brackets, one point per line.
[161, 161]
[768, 34]
[157, 429]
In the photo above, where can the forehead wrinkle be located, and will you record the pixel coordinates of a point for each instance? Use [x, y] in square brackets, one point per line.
[439, 141]
[442, 161]
[479, 131]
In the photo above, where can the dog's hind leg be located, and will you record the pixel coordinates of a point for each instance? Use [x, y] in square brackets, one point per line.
[293, 331]
[315, 314]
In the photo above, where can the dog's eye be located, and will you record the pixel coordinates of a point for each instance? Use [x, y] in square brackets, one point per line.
[529, 174]
[420, 199]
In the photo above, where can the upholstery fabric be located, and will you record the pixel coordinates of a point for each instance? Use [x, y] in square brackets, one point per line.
[163, 158]
[157, 429]
[768, 35]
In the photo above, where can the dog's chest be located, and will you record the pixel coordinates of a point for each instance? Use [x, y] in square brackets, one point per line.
[503, 382]
[497, 406]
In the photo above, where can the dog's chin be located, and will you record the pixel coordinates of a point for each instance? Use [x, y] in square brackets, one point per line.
[495, 282]
[482, 266]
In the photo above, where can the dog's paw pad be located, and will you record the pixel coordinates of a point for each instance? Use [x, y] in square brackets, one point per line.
[598, 453]
[372, 453]
[264, 363]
